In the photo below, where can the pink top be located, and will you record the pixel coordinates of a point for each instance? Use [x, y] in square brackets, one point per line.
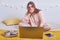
[33, 20]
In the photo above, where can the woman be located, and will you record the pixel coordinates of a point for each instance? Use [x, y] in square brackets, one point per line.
[33, 17]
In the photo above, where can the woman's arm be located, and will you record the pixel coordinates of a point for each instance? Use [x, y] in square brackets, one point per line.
[42, 20]
[24, 21]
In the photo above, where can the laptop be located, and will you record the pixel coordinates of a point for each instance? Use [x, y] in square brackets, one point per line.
[31, 32]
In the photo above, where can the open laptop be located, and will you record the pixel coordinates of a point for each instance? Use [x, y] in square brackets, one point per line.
[31, 32]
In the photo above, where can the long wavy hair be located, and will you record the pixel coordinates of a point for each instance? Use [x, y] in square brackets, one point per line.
[33, 5]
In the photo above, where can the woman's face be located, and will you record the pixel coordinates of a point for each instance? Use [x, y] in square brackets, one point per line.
[31, 8]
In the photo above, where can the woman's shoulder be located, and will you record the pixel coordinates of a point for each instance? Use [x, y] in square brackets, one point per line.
[40, 13]
[39, 10]
[27, 15]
